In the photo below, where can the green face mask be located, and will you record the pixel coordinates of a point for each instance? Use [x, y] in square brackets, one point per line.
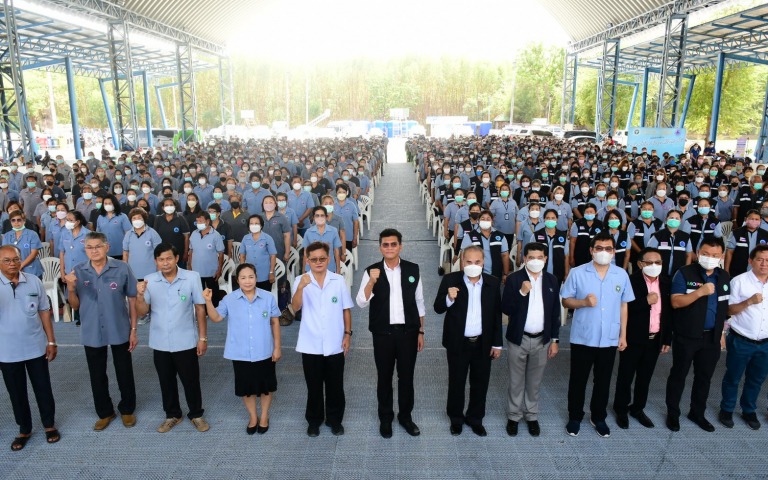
[471, 201]
[504, 194]
[646, 214]
[673, 223]
[550, 223]
[459, 198]
[613, 223]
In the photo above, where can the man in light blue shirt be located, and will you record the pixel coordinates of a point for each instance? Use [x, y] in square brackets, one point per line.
[177, 334]
[253, 197]
[301, 202]
[598, 292]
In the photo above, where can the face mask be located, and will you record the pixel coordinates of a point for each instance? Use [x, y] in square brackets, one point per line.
[589, 216]
[297, 186]
[703, 210]
[202, 181]
[255, 228]
[459, 198]
[320, 221]
[146, 190]
[722, 193]
[704, 194]
[61, 215]
[471, 201]
[109, 208]
[200, 226]
[218, 195]
[708, 263]
[534, 213]
[485, 225]
[308, 188]
[659, 177]
[473, 271]
[679, 188]
[235, 205]
[31, 184]
[673, 223]
[69, 225]
[98, 205]
[563, 179]
[602, 258]
[525, 184]
[758, 186]
[661, 193]
[137, 224]
[535, 266]
[51, 208]
[559, 197]
[584, 190]
[281, 204]
[329, 209]
[753, 224]
[646, 214]
[313, 179]
[652, 271]
[504, 193]
[18, 229]
[550, 223]
[255, 184]
[87, 195]
[600, 193]
[474, 215]
[764, 212]
[614, 223]
[682, 202]
[535, 189]
[46, 198]
[170, 209]
[612, 202]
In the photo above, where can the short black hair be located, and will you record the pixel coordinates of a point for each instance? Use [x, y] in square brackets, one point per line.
[166, 247]
[603, 236]
[713, 241]
[317, 246]
[390, 232]
[646, 250]
[534, 247]
[242, 267]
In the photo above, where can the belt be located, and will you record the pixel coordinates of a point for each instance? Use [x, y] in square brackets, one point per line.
[756, 342]
[473, 339]
[533, 335]
[651, 336]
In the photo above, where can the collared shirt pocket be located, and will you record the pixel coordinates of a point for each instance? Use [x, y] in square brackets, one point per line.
[31, 301]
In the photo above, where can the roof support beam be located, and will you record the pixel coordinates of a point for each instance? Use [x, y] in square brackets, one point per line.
[122, 81]
[227, 92]
[672, 64]
[187, 97]
[761, 152]
[568, 106]
[605, 108]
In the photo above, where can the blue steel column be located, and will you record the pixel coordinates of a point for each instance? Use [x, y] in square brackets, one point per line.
[160, 107]
[717, 94]
[644, 99]
[632, 107]
[73, 106]
[147, 111]
[761, 151]
[108, 111]
[688, 94]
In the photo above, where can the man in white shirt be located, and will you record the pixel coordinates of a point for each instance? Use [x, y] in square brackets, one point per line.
[324, 338]
[397, 324]
[747, 341]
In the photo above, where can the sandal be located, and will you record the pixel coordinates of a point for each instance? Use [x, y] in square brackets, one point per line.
[19, 443]
[52, 436]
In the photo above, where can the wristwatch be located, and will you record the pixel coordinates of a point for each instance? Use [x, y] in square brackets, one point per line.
[348, 332]
[555, 340]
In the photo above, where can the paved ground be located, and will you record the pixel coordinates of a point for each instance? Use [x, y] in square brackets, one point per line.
[286, 452]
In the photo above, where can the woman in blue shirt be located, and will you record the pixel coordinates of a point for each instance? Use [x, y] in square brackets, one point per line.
[113, 223]
[253, 342]
[55, 228]
[259, 249]
[28, 243]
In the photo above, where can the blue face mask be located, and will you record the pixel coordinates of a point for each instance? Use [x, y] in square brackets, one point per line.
[255, 184]
[589, 216]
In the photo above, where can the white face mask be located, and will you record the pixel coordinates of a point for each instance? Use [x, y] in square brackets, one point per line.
[61, 215]
[187, 190]
[659, 177]
[708, 263]
[473, 271]
[192, 203]
[661, 193]
[722, 193]
[87, 195]
[535, 266]
[603, 258]
[485, 225]
[109, 208]
[131, 198]
[584, 190]
[146, 189]
[137, 223]
[320, 221]
[652, 271]
[69, 225]
[200, 226]
[256, 228]
[313, 179]
[169, 209]
[297, 186]
[341, 196]
[534, 213]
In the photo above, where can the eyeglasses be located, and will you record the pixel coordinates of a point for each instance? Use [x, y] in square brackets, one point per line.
[603, 249]
[390, 244]
[8, 261]
[17, 220]
[95, 247]
[318, 260]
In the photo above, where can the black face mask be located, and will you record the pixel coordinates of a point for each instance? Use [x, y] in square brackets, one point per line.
[683, 202]
[235, 205]
[50, 184]
[474, 215]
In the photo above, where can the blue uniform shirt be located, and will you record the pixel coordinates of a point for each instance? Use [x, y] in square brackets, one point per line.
[21, 331]
[114, 228]
[28, 241]
[73, 248]
[141, 251]
[103, 308]
[350, 214]
[249, 332]
[258, 253]
[205, 251]
[172, 305]
[679, 287]
[204, 193]
[487, 260]
[597, 326]
[300, 203]
[252, 200]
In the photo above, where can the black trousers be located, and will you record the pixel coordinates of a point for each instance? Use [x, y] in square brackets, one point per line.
[703, 353]
[96, 357]
[472, 360]
[321, 371]
[599, 362]
[15, 377]
[183, 364]
[398, 348]
[265, 285]
[637, 362]
[209, 282]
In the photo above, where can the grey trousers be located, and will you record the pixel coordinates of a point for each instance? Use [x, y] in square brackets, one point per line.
[526, 369]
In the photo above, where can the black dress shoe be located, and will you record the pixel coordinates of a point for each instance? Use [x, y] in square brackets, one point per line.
[410, 427]
[313, 430]
[533, 428]
[752, 421]
[385, 429]
[456, 429]
[511, 428]
[701, 422]
[622, 420]
[643, 419]
[337, 429]
[673, 423]
[726, 418]
[262, 430]
[478, 429]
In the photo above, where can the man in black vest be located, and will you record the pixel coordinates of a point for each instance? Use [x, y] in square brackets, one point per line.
[397, 323]
[472, 337]
[700, 295]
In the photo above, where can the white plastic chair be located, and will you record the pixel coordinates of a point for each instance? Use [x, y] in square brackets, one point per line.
[236, 252]
[346, 271]
[227, 272]
[279, 272]
[364, 203]
[51, 275]
[44, 251]
[294, 267]
[456, 267]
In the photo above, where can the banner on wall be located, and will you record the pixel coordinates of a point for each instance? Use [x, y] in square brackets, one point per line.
[671, 140]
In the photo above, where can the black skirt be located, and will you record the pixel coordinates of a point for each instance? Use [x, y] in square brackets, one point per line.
[254, 378]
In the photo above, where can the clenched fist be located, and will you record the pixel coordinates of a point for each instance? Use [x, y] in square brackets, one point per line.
[756, 299]
[305, 280]
[453, 292]
[373, 276]
[71, 279]
[207, 294]
[590, 300]
[141, 287]
[706, 289]
[653, 297]
[525, 287]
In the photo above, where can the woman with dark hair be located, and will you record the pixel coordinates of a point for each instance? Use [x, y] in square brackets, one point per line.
[258, 249]
[191, 209]
[72, 249]
[114, 224]
[253, 342]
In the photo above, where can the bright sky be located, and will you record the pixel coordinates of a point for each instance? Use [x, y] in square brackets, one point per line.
[302, 30]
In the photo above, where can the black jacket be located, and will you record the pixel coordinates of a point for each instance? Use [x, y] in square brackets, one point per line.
[516, 306]
[639, 312]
